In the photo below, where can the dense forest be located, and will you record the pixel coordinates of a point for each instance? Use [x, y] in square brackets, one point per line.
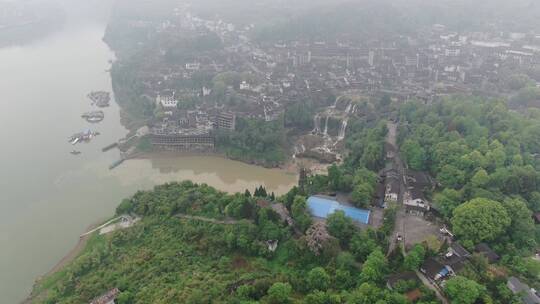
[254, 141]
[478, 149]
[226, 258]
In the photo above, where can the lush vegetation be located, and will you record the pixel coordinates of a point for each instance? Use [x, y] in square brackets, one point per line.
[254, 141]
[221, 254]
[484, 158]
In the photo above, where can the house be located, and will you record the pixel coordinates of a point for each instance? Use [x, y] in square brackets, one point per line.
[528, 295]
[193, 66]
[244, 86]
[420, 180]
[225, 120]
[107, 298]
[391, 189]
[451, 263]
[167, 102]
[457, 250]
[487, 252]
[415, 202]
[456, 257]
[434, 270]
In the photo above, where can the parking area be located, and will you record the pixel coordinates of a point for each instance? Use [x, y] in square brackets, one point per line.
[417, 230]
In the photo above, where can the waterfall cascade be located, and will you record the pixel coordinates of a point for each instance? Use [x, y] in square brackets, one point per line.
[317, 124]
[326, 126]
[342, 130]
[335, 103]
[348, 109]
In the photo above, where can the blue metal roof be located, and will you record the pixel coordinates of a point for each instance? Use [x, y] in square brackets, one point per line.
[322, 207]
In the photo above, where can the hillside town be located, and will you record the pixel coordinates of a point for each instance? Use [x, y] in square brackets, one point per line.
[236, 76]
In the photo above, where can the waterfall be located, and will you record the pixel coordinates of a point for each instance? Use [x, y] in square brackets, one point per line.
[317, 124]
[353, 109]
[348, 109]
[342, 130]
[326, 126]
[335, 103]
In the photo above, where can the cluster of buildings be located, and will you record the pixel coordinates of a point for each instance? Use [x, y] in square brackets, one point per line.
[440, 268]
[429, 64]
[187, 130]
[396, 185]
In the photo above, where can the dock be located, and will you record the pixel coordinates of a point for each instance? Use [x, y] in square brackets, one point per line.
[109, 147]
[116, 163]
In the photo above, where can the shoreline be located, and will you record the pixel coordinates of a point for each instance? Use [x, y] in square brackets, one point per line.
[72, 254]
[290, 166]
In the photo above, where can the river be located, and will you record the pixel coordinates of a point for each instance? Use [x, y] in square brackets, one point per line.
[48, 196]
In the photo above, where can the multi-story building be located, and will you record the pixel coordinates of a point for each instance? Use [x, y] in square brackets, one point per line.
[226, 121]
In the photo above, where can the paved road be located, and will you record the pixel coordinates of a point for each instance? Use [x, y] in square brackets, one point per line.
[400, 216]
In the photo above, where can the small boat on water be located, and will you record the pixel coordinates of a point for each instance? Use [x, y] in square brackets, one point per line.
[85, 136]
[94, 116]
[75, 152]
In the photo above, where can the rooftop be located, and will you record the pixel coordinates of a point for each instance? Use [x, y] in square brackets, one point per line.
[486, 251]
[322, 207]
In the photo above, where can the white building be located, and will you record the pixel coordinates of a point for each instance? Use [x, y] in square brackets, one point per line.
[167, 102]
[244, 86]
[193, 66]
[415, 202]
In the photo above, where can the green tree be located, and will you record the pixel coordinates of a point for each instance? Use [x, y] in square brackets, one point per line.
[334, 177]
[279, 293]
[451, 177]
[463, 291]
[480, 179]
[300, 115]
[362, 195]
[414, 154]
[340, 226]
[415, 257]
[521, 229]
[300, 214]
[480, 220]
[446, 201]
[517, 81]
[375, 267]
[367, 293]
[362, 245]
[321, 297]
[318, 279]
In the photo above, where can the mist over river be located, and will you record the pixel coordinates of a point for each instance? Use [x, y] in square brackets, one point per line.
[48, 196]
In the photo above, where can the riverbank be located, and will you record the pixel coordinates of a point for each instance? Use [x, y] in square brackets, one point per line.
[41, 283]
[291, 166]
[163, 167]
